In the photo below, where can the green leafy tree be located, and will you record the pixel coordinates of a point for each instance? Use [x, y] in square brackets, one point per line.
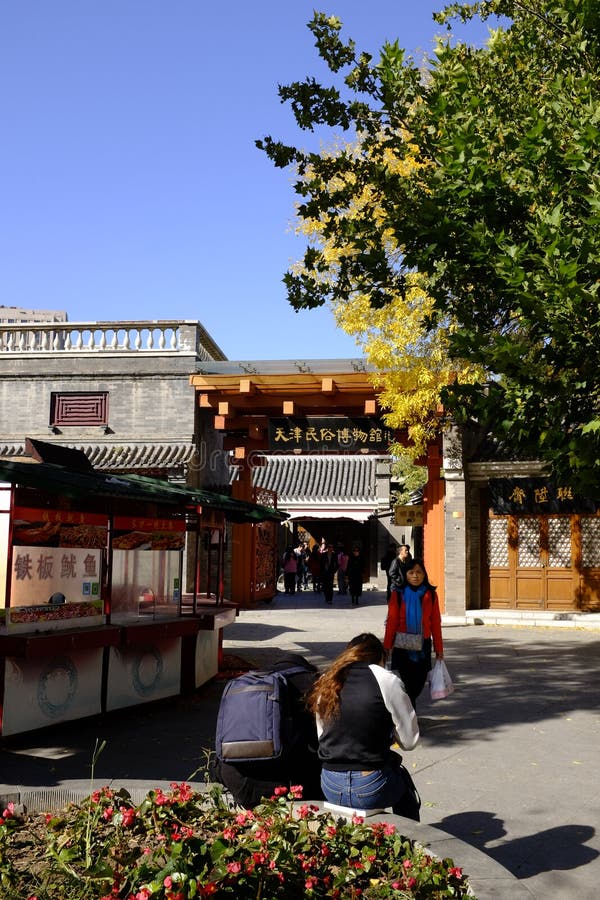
[498, 213]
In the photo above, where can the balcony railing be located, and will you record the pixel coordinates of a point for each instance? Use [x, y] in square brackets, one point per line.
[156, 336]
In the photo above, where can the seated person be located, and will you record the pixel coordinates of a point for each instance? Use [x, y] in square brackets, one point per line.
[252, 780]
[360, 709]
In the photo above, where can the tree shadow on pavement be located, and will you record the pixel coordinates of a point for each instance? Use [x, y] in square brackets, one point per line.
[498, 684]
[554, 849]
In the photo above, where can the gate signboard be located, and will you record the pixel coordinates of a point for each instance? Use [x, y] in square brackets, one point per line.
[329, 434]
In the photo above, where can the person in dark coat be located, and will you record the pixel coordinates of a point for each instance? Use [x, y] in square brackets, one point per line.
[329, 566]
[354, 573]
[397, 570]
[314, 567]
[250, 781]
[386, 560]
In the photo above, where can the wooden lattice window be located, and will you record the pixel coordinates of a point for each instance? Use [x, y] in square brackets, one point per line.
[79, 409]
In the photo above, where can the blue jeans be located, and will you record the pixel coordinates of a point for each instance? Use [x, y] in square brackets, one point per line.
[375, 790]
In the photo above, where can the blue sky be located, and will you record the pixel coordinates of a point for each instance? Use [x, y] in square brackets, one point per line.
[130, 185]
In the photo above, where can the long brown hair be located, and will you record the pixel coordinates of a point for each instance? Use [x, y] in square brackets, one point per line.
[324, 698]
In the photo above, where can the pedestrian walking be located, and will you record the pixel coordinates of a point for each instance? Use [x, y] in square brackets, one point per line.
[386, 560]
[354, 575]
[314, 567]
[397, 569]
[413, 623]
[290, 567]
[301, 566]
[342, 561]
[329, 566]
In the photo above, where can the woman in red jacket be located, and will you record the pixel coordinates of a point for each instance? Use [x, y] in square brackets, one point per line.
[415, 610]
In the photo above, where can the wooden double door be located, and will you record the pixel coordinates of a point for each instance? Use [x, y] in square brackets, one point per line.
[543, 562]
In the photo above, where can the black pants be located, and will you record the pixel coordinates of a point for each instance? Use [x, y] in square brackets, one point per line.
[327, 585]
[289, 581]
[412, 672]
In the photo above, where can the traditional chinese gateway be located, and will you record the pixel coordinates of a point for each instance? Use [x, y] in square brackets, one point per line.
[158, 400]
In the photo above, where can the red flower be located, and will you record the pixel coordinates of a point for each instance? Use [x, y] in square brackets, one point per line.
[161, 799]
[128, 816]
[262, 835]
[244, 817]
[182, 792]
[234, 867]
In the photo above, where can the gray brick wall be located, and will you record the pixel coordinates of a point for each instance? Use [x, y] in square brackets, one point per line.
[455, 527]
[156, 407]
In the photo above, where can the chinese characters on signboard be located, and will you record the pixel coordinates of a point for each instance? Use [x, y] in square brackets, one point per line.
[56, 551]
[50, 565]
[514, 496]
[327, 434]
[40, 572]
[408, 516]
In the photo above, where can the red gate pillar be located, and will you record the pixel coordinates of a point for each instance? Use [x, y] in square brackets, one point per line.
[433, 522]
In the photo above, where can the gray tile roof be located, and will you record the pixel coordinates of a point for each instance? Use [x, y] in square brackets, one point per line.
[130, 456]
[347, 479]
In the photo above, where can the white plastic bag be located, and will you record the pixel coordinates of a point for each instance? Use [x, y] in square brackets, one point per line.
[440, 683]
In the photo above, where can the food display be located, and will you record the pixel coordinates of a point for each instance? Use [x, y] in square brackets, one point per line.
[36, 534]
[135, 533]
[36, 614]
[54, 528]
[92, 536]
[132, 540]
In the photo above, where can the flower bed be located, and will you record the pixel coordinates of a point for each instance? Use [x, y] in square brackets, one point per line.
[180, 844]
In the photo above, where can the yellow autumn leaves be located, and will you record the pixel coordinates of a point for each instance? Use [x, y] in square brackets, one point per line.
[410, 358]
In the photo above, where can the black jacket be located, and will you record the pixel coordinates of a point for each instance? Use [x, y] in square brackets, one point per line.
[374, 709]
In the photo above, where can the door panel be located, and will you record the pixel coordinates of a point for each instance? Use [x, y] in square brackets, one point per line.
[560, 572]
[530, 575]
[531, 562]
[501, 586]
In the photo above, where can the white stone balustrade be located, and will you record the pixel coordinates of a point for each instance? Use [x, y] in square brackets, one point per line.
[162, 335]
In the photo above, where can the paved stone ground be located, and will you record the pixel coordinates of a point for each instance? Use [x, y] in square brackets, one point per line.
[508, 763]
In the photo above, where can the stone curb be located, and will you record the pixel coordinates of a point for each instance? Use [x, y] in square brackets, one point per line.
[487, 878]
[525, 619]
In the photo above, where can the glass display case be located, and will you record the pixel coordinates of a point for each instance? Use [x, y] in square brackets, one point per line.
[146, 577]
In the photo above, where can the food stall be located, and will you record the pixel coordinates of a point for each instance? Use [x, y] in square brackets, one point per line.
[93, 616]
